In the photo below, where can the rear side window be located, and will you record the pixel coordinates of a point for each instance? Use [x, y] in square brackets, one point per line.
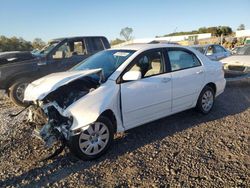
[182, 59]
[96, 44]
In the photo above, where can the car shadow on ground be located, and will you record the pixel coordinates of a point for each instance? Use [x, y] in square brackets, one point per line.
[138, 137]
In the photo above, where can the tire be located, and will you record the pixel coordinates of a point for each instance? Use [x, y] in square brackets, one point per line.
[16, 91]
[205, 101]
[95, 142]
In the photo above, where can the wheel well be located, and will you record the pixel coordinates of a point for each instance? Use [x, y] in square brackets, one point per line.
[109, 114]
[13, 80]
[213, 86]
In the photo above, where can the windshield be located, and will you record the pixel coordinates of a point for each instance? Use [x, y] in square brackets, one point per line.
[245, 50]
[48, 48]
[108, 61]
[201, 49]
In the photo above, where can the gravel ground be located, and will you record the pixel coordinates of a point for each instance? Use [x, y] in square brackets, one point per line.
[183, 150]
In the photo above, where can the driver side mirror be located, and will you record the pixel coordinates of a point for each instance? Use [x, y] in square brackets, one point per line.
[132, 75]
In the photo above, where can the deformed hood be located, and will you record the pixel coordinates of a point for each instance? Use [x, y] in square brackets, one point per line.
[40, 88]
[15, 56]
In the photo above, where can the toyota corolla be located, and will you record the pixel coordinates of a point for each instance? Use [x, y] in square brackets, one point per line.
[119, 89]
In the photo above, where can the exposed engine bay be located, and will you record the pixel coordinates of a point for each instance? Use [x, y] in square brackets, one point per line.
[47, 114]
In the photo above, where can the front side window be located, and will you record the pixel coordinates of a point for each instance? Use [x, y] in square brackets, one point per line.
[48, 48]
[210, 50]
[108, 61]
[149, 64]
[180, 59]
[69, 49]
[62, 52]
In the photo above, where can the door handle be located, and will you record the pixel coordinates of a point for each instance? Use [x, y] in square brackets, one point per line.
[165, 80]
[199, 72]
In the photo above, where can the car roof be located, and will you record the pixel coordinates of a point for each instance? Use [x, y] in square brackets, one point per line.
[202, 46]
[76, 37]
[137, 47]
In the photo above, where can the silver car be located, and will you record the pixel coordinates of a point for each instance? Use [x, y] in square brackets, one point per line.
[213, 51]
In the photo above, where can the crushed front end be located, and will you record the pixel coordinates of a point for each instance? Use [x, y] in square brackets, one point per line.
[51, 125]
[48, 115]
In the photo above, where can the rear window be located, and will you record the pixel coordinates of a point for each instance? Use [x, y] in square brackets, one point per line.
[200, 49]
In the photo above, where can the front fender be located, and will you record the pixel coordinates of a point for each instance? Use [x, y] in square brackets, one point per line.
[87, 109]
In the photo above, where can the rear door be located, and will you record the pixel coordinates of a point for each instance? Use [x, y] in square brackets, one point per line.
[94, 45]
[149, 98]
[187, 78]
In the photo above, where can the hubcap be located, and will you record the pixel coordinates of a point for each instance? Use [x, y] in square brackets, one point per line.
[207, 100]
[93, 140]
[20, 91]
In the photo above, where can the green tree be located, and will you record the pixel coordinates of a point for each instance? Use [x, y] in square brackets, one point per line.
[126, 33]
[241, 27]
[215, 31]
[224, 30]
[14, 44]
[116, 41]
[38, 43]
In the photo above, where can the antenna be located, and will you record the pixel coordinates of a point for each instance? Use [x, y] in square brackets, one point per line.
[172, 36]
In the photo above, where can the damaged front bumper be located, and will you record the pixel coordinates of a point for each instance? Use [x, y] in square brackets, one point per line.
[51, 124]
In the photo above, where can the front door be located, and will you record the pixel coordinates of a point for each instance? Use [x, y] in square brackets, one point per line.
[149, 98]
[67, 55]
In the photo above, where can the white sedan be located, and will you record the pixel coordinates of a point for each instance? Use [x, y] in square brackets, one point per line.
[239, 63]
[119, 89]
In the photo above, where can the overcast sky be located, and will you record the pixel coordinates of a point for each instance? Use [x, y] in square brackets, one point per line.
[49, 19]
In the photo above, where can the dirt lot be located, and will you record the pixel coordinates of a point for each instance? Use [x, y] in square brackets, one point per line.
[184, 150]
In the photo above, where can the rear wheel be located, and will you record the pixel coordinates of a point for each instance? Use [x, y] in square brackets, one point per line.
[94, 141]
[205, 102]
[16, 91]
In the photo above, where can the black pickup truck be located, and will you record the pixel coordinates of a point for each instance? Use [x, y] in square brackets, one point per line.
[18, 69]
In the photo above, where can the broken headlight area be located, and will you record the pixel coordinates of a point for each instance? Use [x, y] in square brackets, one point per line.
[50, 125]
[47, 115]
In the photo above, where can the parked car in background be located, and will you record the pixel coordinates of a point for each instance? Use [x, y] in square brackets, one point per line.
[213, 51]
[236, 49]
[238, 64]
[247, 41]
[18, 69]
[119, 89]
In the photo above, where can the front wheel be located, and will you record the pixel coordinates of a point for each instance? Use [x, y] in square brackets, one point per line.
[205, 102]
[94, 141]
[16, 91]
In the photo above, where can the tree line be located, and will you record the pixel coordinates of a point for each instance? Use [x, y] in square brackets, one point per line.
[19, 44]
[215, 31]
